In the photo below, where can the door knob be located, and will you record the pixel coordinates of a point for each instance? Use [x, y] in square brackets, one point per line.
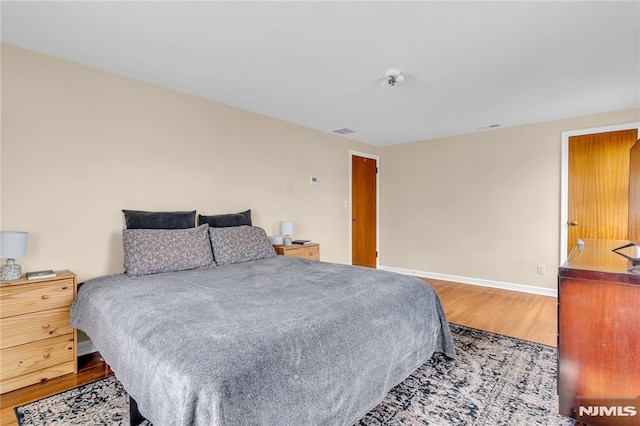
[573, 223]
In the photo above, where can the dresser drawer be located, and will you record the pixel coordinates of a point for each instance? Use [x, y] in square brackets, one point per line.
[36, 297]
[32, 357]
[21, 329]
[36, 377]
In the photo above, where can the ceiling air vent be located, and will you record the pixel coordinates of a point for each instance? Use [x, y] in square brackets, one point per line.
[343, 131]
[491, 126]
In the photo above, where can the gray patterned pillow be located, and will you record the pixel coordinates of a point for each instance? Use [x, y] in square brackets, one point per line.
[149, 251]
[237, 244]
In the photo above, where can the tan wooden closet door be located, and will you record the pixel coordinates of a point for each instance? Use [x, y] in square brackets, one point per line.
[599, 185]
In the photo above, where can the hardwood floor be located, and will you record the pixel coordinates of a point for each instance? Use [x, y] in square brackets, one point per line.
[522, 315]
[526, 316]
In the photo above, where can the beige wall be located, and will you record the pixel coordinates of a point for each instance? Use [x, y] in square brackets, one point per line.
[484, 205]
[79, 145]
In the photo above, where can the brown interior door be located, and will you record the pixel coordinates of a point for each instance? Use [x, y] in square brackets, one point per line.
[599, 186]
[363, 208]
[634, 192]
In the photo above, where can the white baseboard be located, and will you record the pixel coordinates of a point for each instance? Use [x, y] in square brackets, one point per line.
[475, 281]
[85, 347]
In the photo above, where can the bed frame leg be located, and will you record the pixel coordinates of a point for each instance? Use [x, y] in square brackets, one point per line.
[135, 418]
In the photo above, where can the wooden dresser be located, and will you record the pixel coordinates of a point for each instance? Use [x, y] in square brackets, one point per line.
[36, 340]
[598, 335]
[307, 251]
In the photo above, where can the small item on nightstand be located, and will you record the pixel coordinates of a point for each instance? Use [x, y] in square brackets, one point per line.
[36, 275]
[277, 240]
[301, 242]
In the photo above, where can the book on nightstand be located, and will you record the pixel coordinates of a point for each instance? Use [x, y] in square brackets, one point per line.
[36, 275]
[301, 242]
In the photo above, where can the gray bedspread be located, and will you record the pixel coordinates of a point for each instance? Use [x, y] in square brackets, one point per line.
[279, 341]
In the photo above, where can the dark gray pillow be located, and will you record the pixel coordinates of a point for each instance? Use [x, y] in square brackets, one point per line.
[149, 251]
[226, 220]
[238, 244]
[136, 219]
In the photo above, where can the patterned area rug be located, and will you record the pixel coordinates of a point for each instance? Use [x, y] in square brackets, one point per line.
[496, 380]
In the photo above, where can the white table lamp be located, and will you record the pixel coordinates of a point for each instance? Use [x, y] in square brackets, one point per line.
[286, 227]
[12, 244]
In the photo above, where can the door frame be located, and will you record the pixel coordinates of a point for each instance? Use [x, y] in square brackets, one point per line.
[564, 176]
[353, 153]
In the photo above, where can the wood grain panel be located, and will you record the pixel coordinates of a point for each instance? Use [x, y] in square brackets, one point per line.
[599, 325]
[599, 185]
[21, 299]
[37, 341]
[309, 251]
[599, 354]
[39, 376]
[634, 192]
[27, 328]
[25, 359]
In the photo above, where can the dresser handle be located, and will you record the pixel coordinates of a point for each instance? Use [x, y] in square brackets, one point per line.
[46, 354]
[65, 287]
[45, 296]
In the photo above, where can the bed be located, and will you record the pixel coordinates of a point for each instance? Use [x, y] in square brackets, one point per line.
[273, 340]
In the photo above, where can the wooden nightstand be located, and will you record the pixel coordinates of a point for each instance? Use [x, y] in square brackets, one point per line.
[308, 251]
[37, 342]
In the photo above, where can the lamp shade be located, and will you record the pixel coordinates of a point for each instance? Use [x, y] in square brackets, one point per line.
[13, 244]
[286, 227]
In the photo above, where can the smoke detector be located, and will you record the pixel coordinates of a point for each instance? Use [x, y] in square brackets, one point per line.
[393, 76]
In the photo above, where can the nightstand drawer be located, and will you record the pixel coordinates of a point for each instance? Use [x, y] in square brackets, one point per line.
[21, 329]
[311, 252]
[25, 359]
[22, 299]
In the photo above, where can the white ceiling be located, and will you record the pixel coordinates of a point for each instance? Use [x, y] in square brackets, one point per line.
[468, 65]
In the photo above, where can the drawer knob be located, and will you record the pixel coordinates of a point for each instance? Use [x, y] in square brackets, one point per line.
[46, 354]
[46, 326]
[45, 296]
